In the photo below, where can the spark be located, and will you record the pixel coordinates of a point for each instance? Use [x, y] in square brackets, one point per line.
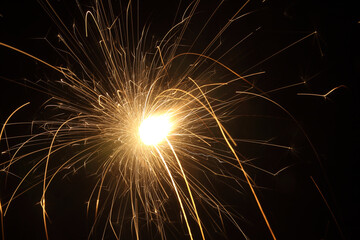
[325, 96]
[2, 222]
[329, 208]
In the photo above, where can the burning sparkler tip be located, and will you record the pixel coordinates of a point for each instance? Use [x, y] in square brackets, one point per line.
[154, 129]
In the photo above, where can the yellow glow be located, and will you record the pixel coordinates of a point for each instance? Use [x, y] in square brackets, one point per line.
[154, 129]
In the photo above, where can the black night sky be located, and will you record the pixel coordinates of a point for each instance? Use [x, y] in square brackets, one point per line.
[293, 204]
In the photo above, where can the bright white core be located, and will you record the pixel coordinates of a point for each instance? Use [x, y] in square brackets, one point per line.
[154, 129]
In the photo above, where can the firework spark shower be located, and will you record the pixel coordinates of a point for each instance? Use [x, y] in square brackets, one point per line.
[167, 121]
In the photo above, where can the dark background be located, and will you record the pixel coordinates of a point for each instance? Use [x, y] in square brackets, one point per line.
[294, 206]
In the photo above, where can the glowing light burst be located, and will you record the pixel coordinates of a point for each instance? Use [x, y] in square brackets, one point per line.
[154, 129]
[149, 121]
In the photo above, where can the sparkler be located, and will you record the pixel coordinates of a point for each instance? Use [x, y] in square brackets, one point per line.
[147, 124]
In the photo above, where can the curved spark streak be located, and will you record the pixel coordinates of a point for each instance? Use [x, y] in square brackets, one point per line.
[189, 189]
[176, 191]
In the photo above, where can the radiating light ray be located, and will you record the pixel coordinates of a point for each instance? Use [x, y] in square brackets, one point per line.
[8, 118]
[329, 208]
[325, 96]
[189, 190]
[177, 193]
[2, 222]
